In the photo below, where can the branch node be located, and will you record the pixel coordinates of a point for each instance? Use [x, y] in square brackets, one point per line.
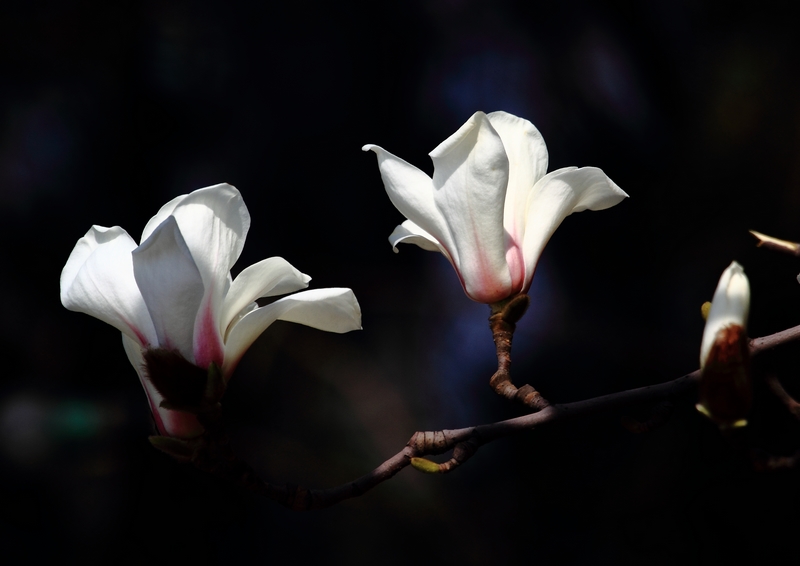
[501, 383]
[465, 450]
[529, 397]
[428, 442]
[462, 452]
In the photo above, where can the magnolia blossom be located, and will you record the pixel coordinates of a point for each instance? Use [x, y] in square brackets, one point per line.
[490, 207]
[174, 291]
[725, 392]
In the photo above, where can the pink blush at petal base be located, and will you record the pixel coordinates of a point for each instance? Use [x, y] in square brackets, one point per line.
[140, 337]
[488, 290]
[207, 342]
[516, 267]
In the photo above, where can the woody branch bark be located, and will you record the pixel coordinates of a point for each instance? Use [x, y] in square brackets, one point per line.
[503, 323]
[219, 460]
[770, 462]
[770, 243]
[777, 389]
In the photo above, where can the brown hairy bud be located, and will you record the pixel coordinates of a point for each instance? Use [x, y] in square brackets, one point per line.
[725, 391]
[511, 310]
[182, 383]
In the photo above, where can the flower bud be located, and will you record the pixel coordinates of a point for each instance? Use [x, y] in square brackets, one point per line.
[725, 391]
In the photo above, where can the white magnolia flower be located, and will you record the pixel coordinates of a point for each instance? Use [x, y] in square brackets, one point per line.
[174, 290]
[725, 392]
[490, 207]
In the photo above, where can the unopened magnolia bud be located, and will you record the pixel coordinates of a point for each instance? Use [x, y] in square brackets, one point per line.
[725, 391]
[730, 306]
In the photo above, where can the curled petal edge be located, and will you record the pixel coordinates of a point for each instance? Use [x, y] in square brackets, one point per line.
[332, 310]
[557, 195]
[410, 233]
[267, 278]
[411, 191]
[98, 280]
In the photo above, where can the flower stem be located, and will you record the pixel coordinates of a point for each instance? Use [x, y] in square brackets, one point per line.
[503, 323]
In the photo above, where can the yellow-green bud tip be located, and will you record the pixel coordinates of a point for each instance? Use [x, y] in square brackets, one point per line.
[425, 465]
[705, 308]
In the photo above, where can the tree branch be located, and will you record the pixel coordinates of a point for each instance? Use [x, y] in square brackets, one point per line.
[464, 442]
[783, 396]
[770, 243]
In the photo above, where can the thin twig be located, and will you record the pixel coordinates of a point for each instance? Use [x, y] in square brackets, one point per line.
[470, 438]
[767, 463]
[770, 243]
[758, 345]
[777, 388]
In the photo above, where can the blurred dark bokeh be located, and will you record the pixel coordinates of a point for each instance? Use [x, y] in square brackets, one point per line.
[109, 109]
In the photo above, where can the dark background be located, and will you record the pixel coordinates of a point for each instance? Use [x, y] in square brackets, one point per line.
[110, 109]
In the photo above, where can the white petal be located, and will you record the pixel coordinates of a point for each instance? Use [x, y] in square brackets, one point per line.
[242, 313]
[333, 310]
[98, 280]
[214, 222]
[556, 196]
[169, 423]
[731, 305]
[527, 163]
[171, 286]
[267, 278]
[470, 180]
[410, 233]
[411, 192]
[160, 216]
